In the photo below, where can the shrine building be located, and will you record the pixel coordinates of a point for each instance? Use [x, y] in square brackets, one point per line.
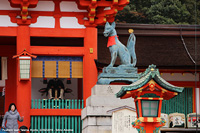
[41, 40]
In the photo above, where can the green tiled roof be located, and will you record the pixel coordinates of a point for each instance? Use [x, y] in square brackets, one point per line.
[151, 73]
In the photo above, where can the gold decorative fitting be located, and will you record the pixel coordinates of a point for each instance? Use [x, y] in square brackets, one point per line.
[150, 98]
[160, 98]
[175, 93]
[93, 9]
[91, 19]
[140, 89]
[152, 69]
[24, 7]
[141, 119]
[24, 13]
[91, 51]
[164, 90]
[139, 98]
[159, 119]
[115, 1]
[130, 31]
[116, 10]
[149, 119]
[24, 17]
[93, 15]
[104, 19]
[128, 92]
[152, 82]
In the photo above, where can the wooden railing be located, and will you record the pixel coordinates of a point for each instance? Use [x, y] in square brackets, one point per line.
[56, 116]
[57, 104]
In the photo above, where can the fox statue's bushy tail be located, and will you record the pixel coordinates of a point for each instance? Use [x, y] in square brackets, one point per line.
[131, 48]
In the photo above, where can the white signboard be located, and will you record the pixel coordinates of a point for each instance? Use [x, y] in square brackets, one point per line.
[166, 118]
[122, 121]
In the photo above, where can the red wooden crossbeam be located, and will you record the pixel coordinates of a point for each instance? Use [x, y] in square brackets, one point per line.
[96, 14]
[55, 112]
[61, 51]
[49, 32]
[8, 31]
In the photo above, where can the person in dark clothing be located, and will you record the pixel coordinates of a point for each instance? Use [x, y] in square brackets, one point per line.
[11, 116]
[55, 88]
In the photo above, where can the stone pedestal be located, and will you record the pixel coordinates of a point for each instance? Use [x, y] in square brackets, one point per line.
[94, 115]
[118, 74]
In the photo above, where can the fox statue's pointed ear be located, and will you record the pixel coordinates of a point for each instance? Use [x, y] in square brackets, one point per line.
[107, 24]
[113, 25]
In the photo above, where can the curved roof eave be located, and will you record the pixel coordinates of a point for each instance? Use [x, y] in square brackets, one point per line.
[145, 77]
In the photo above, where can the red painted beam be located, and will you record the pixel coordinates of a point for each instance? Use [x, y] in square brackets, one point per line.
[55, 112]
[62, 51]
[50, 32]
[8, 31]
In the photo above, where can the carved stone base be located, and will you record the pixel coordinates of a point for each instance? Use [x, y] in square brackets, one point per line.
[118, 74]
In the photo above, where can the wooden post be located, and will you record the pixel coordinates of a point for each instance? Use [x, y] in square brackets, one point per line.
[23, 87]
[89, 66]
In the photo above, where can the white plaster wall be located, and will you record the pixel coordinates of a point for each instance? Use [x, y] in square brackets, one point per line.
[43, 6]
[5, 21]
[45, 22]
[107, 8]
[2, 83]
[70, 6]
[198, 99]
[5, 5]
[70, 22]
[37, 84]
[179, 77]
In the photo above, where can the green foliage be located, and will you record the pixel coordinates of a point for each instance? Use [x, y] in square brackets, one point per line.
[160, 12]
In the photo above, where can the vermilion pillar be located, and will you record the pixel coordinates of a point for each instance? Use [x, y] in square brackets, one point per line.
[23, 87]
[10, 86]
[89, 66]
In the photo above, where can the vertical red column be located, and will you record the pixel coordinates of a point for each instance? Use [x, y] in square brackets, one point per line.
[89, 67]
[23, 87]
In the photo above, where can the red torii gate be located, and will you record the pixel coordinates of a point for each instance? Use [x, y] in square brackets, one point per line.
[95, 15]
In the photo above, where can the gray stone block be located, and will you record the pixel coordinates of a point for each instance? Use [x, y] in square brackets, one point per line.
[104, 129]
[89, 121]
[90, 129]
[97, 129]
[95, 111]
[106, 89]
[110, 101]
[104, 121]
[94, 115]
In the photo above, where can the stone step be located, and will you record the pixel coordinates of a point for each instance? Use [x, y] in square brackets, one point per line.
[98, 121]
[97, 129]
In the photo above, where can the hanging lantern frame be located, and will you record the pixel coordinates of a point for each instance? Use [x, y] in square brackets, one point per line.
[24, 65]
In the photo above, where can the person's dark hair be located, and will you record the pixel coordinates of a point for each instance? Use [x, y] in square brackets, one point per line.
[11, 105]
